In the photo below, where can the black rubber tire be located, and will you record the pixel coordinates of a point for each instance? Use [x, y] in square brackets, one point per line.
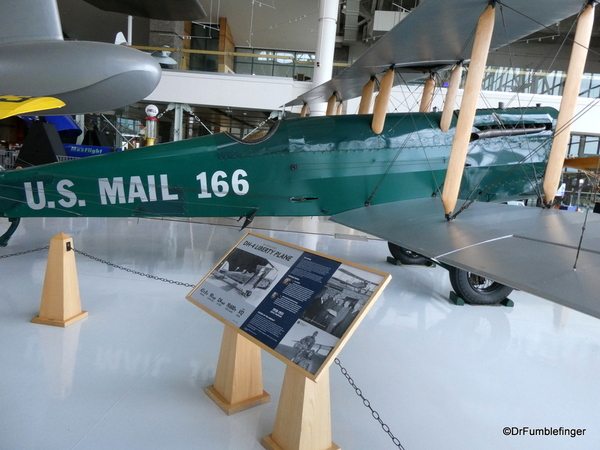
[476, 289]
[407, 257]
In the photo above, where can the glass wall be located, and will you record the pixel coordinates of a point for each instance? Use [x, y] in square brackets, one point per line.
[274, 63]
[584, 145]
[205, 37]
[529, 81]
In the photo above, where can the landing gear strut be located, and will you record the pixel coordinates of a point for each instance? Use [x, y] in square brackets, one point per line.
[470, 287]
[14, 223]
[406, 257]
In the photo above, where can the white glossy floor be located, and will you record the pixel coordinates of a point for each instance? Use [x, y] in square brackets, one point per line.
[132, 374]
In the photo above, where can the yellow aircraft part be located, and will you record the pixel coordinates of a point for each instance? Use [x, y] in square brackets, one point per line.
[12, 105]
[591, 163]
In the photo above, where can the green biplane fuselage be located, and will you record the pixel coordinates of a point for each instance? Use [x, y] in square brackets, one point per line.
[302, 167]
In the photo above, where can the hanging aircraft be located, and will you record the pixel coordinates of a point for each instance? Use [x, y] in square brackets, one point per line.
[396, 176]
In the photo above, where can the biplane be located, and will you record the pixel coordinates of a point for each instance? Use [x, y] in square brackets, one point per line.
[431, 183]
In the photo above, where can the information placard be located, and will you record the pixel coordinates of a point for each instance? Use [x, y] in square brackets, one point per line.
[299, 305]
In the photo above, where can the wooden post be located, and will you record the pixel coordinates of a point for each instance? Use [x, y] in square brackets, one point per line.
[381, 102]
[60, 305]
[238, 380]
[427, 98]
[460, 145]
[339, 109]
[367, 97]
[450, 101]
[331, 104]
[568, 103]
[303, 420]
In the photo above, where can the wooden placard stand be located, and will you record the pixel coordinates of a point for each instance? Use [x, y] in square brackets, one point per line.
[60, 305]
[238, 380]
[303, 420]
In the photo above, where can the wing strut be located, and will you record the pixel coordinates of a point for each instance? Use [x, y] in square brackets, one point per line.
[304, 108]
[427, 98]
[568, 102]
[460, 145]
[331, 104]
[451, 94]
[382, 100]
[367, 97]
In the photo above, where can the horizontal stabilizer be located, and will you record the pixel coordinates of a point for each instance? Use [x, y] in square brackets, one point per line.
[530, 249]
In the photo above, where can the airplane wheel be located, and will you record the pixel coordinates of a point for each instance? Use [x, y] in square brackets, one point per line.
[476, 289]
[407, 257]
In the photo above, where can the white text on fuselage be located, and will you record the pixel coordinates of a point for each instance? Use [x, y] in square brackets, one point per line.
[150, 188]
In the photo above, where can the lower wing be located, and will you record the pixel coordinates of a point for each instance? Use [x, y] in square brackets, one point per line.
[532, 249]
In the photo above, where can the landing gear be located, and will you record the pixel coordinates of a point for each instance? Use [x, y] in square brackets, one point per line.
[468, 286]
[407, 257]
[476, 289]
[14, 223]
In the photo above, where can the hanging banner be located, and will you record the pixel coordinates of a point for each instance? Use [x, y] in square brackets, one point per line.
[298, 305]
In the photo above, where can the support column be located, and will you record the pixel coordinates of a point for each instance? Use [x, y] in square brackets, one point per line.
[60, 305]
[460, 145]
[328, 12]
[238, 381]
[303, 420]
[451, 94]
[178, 123]
[427, 98]
[568, 103]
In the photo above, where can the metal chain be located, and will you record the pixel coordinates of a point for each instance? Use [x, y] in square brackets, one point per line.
[25, 252]
[135, 272]
[367, 403]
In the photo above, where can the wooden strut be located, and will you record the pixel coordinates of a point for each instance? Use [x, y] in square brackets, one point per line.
[464, 125]
[568, 103]
[367, 97]
[382, 100]
[303, 111]
[451, 95]
[331, 104]
[427, 98]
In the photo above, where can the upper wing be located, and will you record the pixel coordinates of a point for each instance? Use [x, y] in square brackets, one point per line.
[439, 33]
[531, 249]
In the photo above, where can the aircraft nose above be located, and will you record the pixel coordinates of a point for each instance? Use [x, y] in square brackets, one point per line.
[87, 76]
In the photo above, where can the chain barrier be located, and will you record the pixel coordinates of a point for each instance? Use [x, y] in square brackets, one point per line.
[358, 391]
[135, 272]
[25, 252]
[367, 403]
